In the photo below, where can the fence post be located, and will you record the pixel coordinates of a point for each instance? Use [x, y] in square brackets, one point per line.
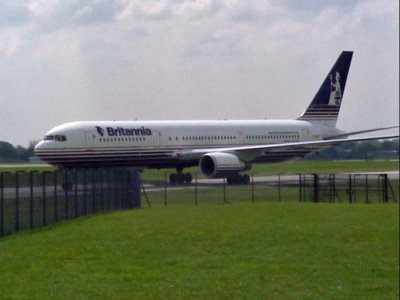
[379, 187]
[224, 189]
[31, 199]
[55, 196]
[350, 190]
[165, 188]
[44, 198]
[128, 191]
[111, 188]
[66, 194]
[316, 188]
[252, 188]
[145, 195]
[101, 187]
[366, 189]
[1, 204]
[300, 188]
[84, 192]
[355, 187]
[94, 191]
[195, 189]
[121, 187]
[76, 192]
[108, 188]
[16, 175]
[385, 188]
[279, 186]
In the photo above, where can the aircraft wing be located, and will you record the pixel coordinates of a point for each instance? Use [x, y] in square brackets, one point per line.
[248, 153]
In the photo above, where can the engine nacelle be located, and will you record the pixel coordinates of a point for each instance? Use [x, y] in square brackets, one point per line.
[218, 164]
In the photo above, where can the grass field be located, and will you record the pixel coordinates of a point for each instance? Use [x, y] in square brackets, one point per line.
[232, 251]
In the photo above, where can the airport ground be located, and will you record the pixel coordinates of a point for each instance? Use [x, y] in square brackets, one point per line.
[234, 249]
[289, 168]
[241, 250]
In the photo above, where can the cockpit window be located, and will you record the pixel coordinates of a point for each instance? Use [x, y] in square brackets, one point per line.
[59, 138]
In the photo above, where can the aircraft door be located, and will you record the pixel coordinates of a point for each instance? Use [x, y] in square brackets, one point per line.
[156, 138]
[240, 138]
[304, 134]
[89, 140]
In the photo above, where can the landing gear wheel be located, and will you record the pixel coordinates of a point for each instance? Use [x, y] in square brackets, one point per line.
[181, 178]
[238, 179]
[245, 179]
[173, 178]
[188, 178]
[235, 179]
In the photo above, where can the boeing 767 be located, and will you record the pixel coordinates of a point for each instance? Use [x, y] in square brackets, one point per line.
[218, 148]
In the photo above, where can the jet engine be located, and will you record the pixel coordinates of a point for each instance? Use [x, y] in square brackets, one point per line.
[218, 164]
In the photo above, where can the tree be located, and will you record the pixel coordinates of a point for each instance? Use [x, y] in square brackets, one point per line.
[7, 150]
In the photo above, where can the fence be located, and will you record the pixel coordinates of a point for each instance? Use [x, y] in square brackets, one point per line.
[34, 199]
[350, 188]
[366, 188]
[163, 193]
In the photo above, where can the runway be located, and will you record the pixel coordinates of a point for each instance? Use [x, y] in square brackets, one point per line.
[24, 165]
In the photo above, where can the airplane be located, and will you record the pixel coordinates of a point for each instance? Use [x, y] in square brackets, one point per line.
[221, 149]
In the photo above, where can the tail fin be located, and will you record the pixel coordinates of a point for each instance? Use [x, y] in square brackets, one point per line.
[325, 106]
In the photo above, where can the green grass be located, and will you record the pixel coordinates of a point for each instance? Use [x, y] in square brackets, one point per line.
[234, 251]
[215, 195]
[327, 167]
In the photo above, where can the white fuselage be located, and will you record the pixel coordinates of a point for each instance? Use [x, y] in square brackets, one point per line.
[151, 144]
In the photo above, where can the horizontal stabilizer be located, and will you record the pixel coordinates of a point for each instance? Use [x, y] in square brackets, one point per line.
[359, 132]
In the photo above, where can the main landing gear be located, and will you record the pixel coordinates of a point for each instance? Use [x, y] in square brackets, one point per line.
[180, 178]
[237, 179]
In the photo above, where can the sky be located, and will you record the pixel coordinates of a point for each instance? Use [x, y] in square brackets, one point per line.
[63, 61]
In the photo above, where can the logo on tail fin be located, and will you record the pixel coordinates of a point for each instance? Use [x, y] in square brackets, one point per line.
[335, 97]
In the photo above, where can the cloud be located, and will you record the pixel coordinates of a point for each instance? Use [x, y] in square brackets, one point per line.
[75, 60]
[13, 13]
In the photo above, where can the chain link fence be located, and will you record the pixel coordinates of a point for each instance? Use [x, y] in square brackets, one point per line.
[351, 188]
[365, 188]
[30, 200]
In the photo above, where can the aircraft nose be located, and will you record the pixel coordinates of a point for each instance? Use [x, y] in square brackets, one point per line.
[39, 146]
